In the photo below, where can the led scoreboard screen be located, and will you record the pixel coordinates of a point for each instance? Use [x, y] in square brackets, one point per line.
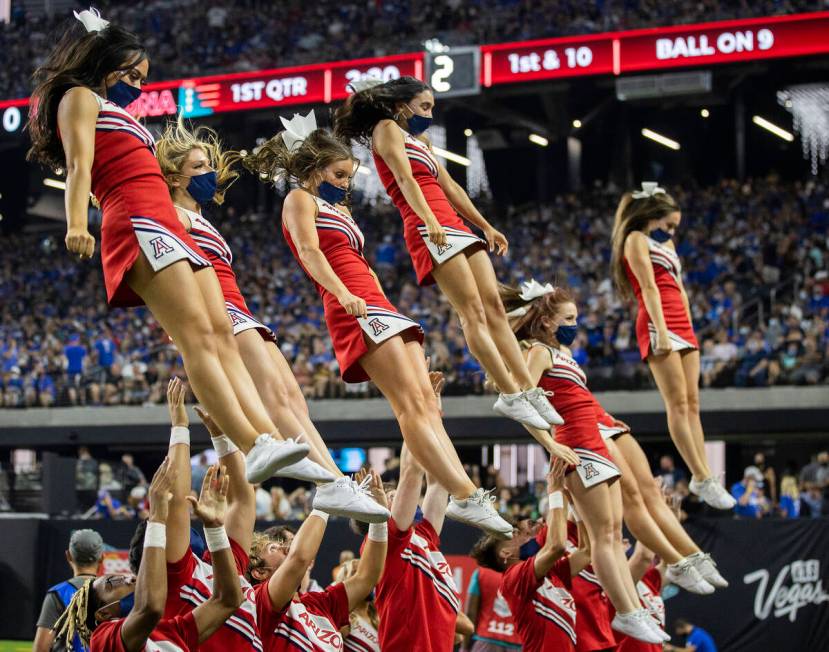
[463, 70]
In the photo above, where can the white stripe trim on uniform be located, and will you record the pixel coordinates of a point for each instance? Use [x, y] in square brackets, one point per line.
[297, 637]
[550, 614]
[440, 585]
[149, 225]
[195, 597]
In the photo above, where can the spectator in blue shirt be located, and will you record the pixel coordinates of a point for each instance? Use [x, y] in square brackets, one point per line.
[748, 498]
[106, 348]
[74, 353]
[696, 638]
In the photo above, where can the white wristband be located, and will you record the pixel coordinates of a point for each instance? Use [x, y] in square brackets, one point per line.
[179, 435]
[216, 538]
[378, 532]
[319, 514]
[156, 535]
[223, 445]
[556, 500]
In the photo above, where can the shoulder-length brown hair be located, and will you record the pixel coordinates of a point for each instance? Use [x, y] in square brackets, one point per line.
[634, 215]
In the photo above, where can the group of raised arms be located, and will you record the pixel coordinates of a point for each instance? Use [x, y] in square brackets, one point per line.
[158, 249]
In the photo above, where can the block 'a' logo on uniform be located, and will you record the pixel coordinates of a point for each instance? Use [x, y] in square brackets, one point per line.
[589, 470]
[160, 247]
[378, 326]
[443, 248]
[235, 319]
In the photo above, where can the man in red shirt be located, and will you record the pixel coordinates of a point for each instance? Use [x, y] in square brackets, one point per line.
[129, 608]
[486, 607]
[311, 622]
[417, 599]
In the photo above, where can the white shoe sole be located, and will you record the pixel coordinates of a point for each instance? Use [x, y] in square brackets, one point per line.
[493, 527]
[337, 508]
[277, 459]
[320, 477]
[533, 420]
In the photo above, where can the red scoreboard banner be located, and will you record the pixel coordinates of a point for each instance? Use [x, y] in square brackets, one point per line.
[655, 49]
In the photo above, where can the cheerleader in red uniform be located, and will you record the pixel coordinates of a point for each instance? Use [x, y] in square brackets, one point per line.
[645, 264]
[391, 119]
[371, 339]
[548, 323]
[198, 172]
[79, 123]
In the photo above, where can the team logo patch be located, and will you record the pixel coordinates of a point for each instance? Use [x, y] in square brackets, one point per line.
[442, 249]
[378, 326]
[160, 247]
[236, 319]
[589, 470]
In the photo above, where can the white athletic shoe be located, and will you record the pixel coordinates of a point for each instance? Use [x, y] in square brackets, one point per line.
[307, 471]
[344, 497]
[636, 624]
[268, 455]
[685, 575]
[712, 492]
[541, 404]
[517, 407]
[477, 510]
[707, 568]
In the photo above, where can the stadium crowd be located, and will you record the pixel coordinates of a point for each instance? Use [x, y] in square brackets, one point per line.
[755, 266]
[252, 34]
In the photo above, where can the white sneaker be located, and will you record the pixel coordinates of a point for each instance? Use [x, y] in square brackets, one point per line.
[541, 404]
[707, 568]
[268, 455]
[636, 624]
[344, 497]
[653, 623]
[517, 407]
[686, 576]
[307, 471]
[477, 510]
[712, 492]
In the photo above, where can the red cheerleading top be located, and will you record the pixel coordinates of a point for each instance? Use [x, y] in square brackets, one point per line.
[425, 170]
[179, 634]
[667, 272]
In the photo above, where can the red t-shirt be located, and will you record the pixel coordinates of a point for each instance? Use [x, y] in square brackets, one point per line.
[417, 599]
[543, 610]
[649, 588]
[190, 583]
[593, 617]
[495, 621]
[311, 623]
[178, 634]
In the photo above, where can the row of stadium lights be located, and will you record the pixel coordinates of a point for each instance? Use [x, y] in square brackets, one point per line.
[539, 140]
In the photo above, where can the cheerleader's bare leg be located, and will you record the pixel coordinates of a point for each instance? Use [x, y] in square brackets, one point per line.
[594, 506]
[615, 492]
[263, 361]
[690, 367]
[175, 299]
[670, 379]
[390, 368]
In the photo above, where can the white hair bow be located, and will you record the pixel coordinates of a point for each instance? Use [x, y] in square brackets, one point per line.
[532, 289]
[649, 189]
[91, 19]
[364, 84]
[297, 129]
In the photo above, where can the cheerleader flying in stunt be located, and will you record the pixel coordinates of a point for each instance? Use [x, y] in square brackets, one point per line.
[371, 339]
[391, 118]
[645, 264]
[78, 122]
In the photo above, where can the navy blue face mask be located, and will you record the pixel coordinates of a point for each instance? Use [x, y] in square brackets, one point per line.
[126, 604]
[660, 235]
[331, 193]
[566, 334]
[122, 94]
[418, 124]
[529, 549]
[202, 188]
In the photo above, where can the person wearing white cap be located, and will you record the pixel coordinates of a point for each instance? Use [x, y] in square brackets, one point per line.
[86, 548]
